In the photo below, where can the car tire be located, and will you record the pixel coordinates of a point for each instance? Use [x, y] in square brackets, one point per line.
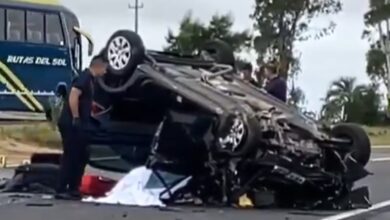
[124, 51]
[249, 137]
[220, 51]
[361, 146]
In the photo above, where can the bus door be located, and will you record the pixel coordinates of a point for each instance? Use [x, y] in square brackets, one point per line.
[34, 58]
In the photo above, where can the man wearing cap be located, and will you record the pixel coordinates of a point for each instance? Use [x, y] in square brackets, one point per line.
[72, 124]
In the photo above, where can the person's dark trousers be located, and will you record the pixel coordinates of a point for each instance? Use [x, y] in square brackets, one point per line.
[81, 158]
[66, 161]
[75, 158]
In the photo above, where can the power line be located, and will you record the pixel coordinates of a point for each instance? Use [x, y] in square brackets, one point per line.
[136, 7]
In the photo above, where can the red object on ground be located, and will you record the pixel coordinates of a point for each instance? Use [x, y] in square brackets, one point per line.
[96, 186]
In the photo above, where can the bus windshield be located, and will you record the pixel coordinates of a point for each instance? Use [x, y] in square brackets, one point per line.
[41, 50]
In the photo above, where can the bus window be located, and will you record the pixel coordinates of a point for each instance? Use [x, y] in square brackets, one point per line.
[71, 21]
[35, 27]
[2, 24]
[15, 25]
[54, 33]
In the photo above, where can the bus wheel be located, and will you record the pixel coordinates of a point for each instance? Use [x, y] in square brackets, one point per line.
[124, 51]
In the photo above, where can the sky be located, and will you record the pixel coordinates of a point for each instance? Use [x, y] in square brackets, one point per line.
[322, 61]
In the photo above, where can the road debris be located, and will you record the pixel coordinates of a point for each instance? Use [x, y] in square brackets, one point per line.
[20, 196]
[169, 209]
[245, 202]
[39, 204]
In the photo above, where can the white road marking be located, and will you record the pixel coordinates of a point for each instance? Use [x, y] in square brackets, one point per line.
[357, 212]
[380, 159]
[380, 146]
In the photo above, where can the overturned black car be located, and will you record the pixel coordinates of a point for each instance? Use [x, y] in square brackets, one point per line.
[193, 116]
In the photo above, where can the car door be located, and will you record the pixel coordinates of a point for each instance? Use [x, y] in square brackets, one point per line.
[124, 126]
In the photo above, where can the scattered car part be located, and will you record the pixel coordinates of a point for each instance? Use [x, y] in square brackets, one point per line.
[46, 158]
[20, 196]
[34, 178]
[96, 186]
[39, 204]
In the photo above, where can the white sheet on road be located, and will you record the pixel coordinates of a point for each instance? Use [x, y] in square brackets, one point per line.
[138, 188]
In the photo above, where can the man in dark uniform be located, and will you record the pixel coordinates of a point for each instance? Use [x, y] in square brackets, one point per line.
[276, 85]
[73, 124]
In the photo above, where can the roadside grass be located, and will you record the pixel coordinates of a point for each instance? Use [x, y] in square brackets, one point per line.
[379, 135]
[41, 134]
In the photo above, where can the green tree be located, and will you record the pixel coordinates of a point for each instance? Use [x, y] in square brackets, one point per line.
[376, 67]
[338, 99]
[348, 102]
[377, 33]
[370, 105]
[193, 33]
[281, 23]
[296, 97]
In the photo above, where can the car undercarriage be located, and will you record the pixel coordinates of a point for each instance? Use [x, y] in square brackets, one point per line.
[230, 137]
[299, 174]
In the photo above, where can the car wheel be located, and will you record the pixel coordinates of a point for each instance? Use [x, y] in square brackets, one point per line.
[220, 52]
[236, 136]
[360, 142]
[124, 52]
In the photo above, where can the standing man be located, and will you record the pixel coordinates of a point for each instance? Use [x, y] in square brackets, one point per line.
[73, 124]
[276, 85]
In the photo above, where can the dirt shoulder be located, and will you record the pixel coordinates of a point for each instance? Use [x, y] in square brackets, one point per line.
[19, 141]
[16, 152]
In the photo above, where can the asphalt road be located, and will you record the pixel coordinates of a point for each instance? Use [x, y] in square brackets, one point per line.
[36, 208]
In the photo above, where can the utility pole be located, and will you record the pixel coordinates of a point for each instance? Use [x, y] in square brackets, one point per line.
[136, 7]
